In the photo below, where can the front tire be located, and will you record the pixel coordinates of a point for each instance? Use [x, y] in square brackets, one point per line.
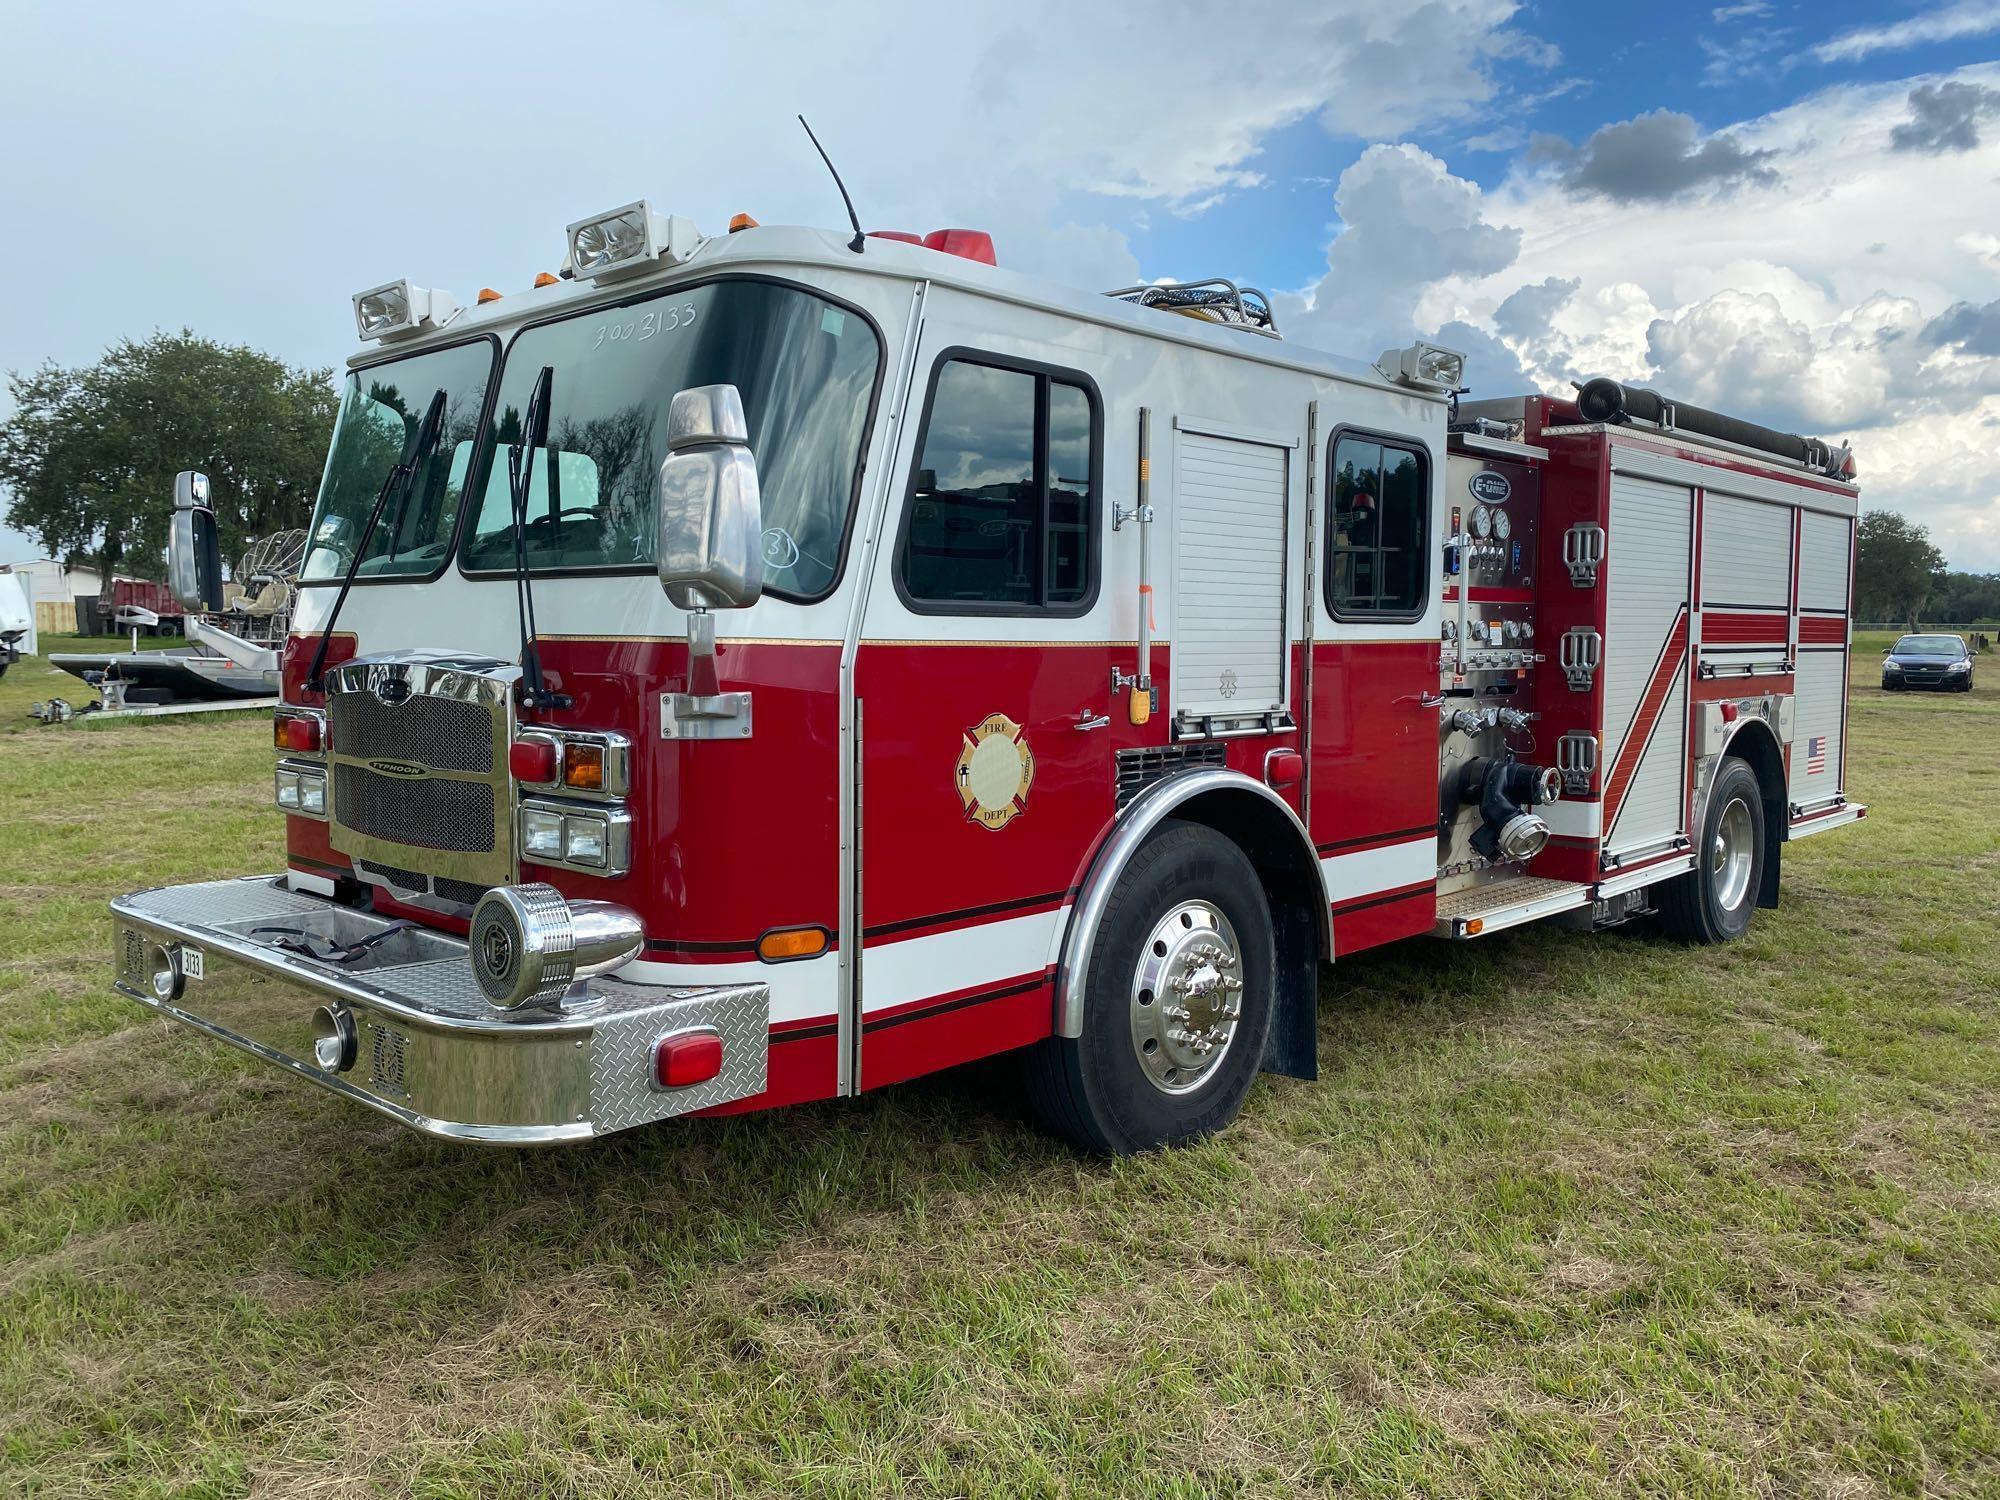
[1177, 1002]
[1714, 901]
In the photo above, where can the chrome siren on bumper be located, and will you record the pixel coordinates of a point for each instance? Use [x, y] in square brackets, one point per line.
[394, 1017]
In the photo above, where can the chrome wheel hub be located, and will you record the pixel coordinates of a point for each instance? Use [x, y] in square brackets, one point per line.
[1732, 855]
[1187, 997]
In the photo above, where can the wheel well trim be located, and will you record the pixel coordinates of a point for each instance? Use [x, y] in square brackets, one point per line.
[1728, 748]
[1138, 822]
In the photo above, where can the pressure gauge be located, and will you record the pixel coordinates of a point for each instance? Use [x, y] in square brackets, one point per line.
[1451, 630]
[1513, 628]
[1502, 527]
[1482, 522]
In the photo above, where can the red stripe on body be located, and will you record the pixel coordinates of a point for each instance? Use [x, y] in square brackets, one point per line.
[1645, 720]
[1734, 629]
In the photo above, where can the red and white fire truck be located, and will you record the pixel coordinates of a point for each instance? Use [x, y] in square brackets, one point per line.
[765, 667]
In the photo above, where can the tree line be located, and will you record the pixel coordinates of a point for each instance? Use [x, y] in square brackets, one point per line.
[89, 455]
[1900, 575]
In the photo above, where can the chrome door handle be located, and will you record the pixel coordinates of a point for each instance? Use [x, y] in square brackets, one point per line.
[1426, 700]
[1085, 719]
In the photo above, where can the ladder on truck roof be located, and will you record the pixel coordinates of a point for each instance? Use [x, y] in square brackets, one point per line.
[1215, 300]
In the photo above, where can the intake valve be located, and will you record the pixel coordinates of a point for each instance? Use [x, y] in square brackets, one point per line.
[1506, 790]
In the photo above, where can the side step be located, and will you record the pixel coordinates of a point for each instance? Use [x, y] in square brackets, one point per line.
[1482, 909]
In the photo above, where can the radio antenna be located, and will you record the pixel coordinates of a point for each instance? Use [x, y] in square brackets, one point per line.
[853, 218]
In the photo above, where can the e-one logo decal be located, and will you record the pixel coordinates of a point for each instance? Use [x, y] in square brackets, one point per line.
[1491, 486]
[995, 768]
[404, 769]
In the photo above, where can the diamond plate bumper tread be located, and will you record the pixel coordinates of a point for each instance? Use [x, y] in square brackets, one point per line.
[430, 1051]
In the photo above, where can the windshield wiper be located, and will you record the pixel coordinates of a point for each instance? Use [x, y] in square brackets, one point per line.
[394, 484]
[520, 476]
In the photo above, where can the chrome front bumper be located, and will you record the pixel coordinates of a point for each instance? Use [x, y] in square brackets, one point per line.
[427, 1049]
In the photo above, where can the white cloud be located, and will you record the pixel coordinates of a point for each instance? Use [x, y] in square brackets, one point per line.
[1950, 23]
[1407, 224]
[1849, 302]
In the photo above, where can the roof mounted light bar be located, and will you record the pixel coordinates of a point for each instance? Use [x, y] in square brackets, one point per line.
[626, 241]
[1212, 301]
[398, 309]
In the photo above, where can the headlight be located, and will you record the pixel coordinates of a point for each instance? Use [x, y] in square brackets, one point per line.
[1892, 666]
[542, 835]
[288, 790]
[1959, 666]
[312, 795]
[583, 841]
[593, 838]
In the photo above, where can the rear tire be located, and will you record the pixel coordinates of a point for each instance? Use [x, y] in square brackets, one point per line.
[1713, 902]
[1177, 1003]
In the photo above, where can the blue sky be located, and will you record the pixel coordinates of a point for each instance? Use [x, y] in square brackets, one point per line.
[1786, 210]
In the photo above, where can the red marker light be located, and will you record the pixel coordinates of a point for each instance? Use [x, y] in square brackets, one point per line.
[302, 734]
[1729, 713]
[532, 760]
[691, 1057]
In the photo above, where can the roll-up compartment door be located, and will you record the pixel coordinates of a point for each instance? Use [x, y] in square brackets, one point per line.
[1645, 663]
[1229, 531]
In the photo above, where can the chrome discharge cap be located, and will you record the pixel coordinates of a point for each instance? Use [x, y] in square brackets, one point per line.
[529, 947]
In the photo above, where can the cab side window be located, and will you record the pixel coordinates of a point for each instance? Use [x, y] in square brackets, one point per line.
[1002, 509]
[1377, 562]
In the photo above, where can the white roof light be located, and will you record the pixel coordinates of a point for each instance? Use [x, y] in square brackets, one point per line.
[397, 309]
[1430, 366]
[629, 240]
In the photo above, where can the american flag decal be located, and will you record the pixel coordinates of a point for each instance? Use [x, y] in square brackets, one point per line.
[1816, 755]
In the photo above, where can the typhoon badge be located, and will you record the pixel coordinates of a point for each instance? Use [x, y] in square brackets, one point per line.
[995, 767]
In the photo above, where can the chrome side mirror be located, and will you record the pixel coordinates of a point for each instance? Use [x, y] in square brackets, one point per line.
[194, 552]
[711, 517]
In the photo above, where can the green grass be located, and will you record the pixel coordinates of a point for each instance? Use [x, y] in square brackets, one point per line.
[1563, 1215]
[32, 680]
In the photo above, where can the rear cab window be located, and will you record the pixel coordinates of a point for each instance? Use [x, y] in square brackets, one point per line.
[1001, 511]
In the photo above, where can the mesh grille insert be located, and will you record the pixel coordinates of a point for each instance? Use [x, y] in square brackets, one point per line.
[456, 816]
[442, 733]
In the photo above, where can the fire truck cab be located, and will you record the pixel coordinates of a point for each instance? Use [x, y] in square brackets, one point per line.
[761, 668]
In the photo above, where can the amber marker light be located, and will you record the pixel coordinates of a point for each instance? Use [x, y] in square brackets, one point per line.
[784, 944]
[543, 278]
[583, 767]
[487, 294]
[741, 221]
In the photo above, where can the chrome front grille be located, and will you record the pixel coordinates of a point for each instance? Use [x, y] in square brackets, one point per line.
[416, 743]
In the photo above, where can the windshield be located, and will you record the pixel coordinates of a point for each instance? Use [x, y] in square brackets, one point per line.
[1929, 645]
[381, 408]
[806, 371]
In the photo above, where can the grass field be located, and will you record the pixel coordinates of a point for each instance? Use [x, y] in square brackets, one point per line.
[1564, 1214]
[32, 680]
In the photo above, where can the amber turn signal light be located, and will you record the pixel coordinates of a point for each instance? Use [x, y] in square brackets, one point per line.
[782, 944]
[583, 767]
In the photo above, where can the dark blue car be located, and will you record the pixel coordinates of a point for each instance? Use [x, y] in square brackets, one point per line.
[1939, 662]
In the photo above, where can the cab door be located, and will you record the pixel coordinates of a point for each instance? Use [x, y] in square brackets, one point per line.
[982, 706]
[1374, 691]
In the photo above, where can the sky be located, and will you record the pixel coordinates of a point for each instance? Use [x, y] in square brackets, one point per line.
[1785, 209]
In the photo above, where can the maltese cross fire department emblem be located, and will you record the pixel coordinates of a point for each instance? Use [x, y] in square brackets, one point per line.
[994, 769]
